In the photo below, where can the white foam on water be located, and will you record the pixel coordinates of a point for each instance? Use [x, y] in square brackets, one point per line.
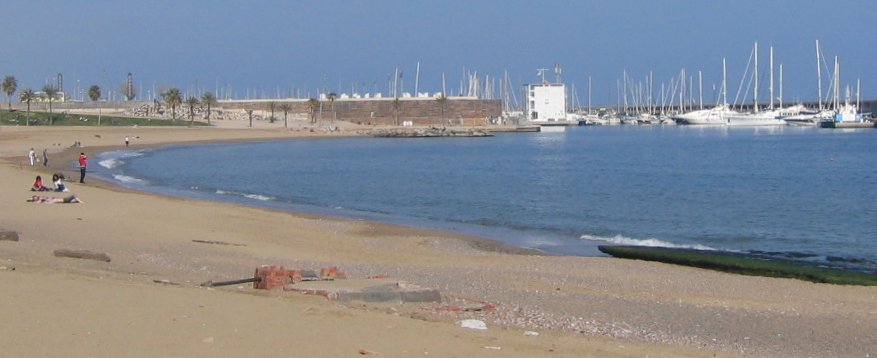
[110, 163]
[128, 179]
[245, 195]
[259, 197]
[651, 242]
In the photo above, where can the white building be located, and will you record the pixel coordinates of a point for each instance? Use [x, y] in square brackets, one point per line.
[546, 102]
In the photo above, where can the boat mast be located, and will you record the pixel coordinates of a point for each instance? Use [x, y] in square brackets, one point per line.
[651, 100]
[781, 85]
[836, 85]
[755, 95]
[724, 83]
[682, 91]
[818, 75]
[589, 95]
[700, 85]
[771, 77]
[624, 88]
[417, 79]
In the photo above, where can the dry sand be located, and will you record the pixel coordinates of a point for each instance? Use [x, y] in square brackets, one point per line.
[580, 306]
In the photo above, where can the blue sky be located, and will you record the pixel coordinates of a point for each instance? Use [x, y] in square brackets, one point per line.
[266, 47]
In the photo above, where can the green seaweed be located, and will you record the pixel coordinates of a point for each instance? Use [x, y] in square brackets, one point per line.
[742, 264]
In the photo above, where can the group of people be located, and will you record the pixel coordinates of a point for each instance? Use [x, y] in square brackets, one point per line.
[57, 179]
[32, 156]
[83, 160]
[57, 183]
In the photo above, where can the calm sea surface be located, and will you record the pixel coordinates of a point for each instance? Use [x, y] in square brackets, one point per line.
[805, 193]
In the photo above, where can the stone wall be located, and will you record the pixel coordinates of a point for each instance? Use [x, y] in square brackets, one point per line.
[420, 111]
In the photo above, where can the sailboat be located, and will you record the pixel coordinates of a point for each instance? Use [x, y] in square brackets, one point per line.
[771, 117]
[711, 116]
[799, 115]
[846, 115]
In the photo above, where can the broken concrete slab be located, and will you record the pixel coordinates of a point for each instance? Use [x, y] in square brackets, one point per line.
[82, 254]
[8, 236]
[369, 290]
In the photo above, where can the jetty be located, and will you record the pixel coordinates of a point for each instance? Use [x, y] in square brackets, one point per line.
[430, 132]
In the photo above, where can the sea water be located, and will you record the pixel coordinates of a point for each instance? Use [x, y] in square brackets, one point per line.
[794, 192]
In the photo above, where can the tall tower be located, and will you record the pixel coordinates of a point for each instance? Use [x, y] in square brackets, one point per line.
[60, 82]
[129, 87]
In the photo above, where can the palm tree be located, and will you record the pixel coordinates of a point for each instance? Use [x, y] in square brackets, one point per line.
[209, 99]
[27, 96]
[50, 92]
[94, 92]
[173, 98]
[442, 100]
[285, 107]
[331, 97]
[250, 114]
[271, 106]
[397, 107]
[313, 104]
[9, 87]
[191, 102]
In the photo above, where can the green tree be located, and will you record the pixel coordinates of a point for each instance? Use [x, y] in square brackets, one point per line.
[397, 107]
[51, 92]
[192, 102]
[442, 101]
[27, 96]
[331, 97]
[172, 98]
[94, 92]
[208, 99]
[313, 104]
[285, 107]
[9, 87]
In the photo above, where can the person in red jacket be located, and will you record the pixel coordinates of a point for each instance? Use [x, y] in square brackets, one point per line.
[38, 185]
[83, 162]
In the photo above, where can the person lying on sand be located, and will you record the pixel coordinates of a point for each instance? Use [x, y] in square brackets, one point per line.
[72, 199]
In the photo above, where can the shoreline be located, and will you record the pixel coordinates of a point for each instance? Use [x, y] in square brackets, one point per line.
[582, 306]
[70, 155]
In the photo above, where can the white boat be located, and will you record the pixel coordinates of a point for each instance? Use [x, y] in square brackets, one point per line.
[799, 115]
[717, 115]
[765, 118]
[770, 117]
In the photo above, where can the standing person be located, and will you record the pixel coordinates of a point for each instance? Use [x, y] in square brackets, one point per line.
[45, 158]
[126, 141]
[32, 156]
[83, 162]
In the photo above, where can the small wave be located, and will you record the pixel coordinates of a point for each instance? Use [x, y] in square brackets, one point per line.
[245, 195]
[259, 197]
[622, 240]
[128, 179]
[110, 163]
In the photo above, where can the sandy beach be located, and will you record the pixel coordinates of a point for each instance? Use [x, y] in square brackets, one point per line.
[147, 300]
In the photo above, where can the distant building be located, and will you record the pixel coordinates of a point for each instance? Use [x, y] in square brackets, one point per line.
[546, 102]
[41, 96]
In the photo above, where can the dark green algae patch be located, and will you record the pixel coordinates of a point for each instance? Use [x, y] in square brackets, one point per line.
[741, 263]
